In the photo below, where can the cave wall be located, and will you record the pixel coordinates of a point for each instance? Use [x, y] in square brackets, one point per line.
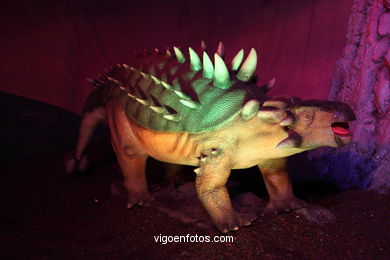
[361, 79]
[49, 48]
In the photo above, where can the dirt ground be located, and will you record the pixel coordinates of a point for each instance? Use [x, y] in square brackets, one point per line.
[46, 215]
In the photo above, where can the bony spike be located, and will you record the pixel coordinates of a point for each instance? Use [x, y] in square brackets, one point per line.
[203, 46]
[266, 87]
[250, 109]
[221, 73]
[190, 103]
[142, 101]
[157, 109]
[166, 85]
[179, 55]
[182, 94]
[143, 74]
[172, 117]
[236, 61]
[249, 67]
[156, 80]
[198, 171]
[208, 68]
[168, 53]
[221, 50]
[275, 103]
[195, 64]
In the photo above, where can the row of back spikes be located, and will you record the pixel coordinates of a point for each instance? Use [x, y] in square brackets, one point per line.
[218, 70]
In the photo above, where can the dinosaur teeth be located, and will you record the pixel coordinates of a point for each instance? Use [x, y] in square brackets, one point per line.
[196, 64]
[125, 66]
[208, 69]
[179, 55]
[172, 117]
[221, 73]
[249, 67]
[250, 109]
[221, 50]
[236, 61]
[191, 104]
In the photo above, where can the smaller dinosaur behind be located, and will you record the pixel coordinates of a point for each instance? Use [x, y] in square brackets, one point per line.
[187, 110]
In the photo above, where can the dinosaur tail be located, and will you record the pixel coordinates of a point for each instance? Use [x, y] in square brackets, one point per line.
[93, 113]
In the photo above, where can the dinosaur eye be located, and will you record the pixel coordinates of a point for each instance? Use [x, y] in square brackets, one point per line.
[307, 116]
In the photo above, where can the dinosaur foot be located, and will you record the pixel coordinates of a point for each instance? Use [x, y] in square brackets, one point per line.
[284, 206]
[74, 165]
[139, 199]
[235, 222]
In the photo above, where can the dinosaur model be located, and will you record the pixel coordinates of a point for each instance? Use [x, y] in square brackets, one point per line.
[186, 110]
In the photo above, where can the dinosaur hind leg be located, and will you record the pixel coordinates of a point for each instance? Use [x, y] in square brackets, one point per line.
[89, 121]
[130, 155]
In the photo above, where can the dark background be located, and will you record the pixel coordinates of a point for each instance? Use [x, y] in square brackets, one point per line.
[48, 48]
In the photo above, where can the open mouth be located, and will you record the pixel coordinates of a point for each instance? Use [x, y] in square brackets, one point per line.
[341, 128]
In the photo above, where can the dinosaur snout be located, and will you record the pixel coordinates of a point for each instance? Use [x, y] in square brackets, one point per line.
[342, 114]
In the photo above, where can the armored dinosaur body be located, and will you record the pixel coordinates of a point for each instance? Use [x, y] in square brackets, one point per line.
[189, 110]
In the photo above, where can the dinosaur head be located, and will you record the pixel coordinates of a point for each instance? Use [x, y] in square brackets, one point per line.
[318, 123]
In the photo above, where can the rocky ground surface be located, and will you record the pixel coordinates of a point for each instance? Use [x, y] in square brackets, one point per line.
[47, 215]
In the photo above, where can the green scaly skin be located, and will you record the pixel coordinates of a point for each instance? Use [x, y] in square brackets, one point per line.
[171, 96]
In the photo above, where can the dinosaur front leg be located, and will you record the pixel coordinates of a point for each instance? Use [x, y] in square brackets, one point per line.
[210, 183]
[278, 183]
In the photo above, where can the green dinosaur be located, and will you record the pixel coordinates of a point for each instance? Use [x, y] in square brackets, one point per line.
[187, 110]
